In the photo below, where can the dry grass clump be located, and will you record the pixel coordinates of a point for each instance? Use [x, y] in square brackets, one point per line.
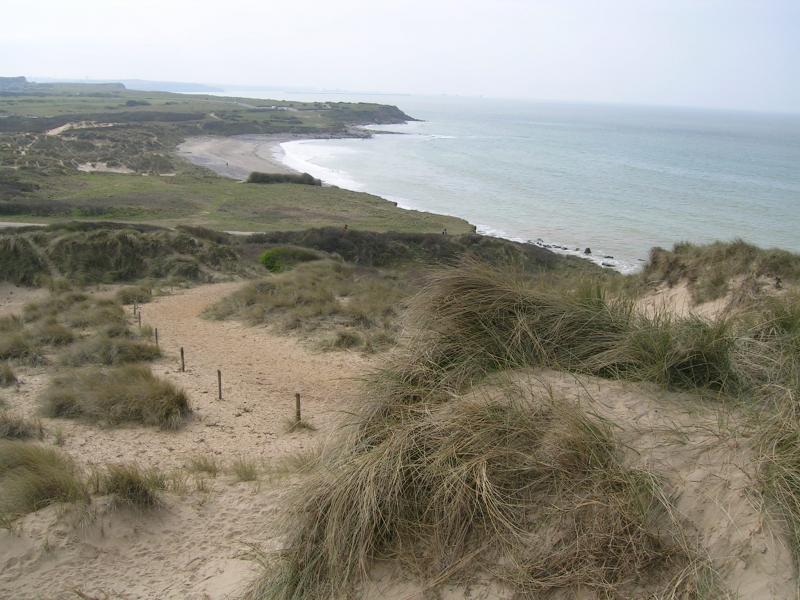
[16, 427]
[52, 333]
[355, 302]
[710, 269]
[7, 376]
[102, 349]
[34, 476]
[204, 463]
[534, 488]
[131, 485]
[20, 347]
[245, 469]
[119, 395]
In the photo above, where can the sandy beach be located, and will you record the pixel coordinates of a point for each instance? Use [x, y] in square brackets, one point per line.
[236, 156]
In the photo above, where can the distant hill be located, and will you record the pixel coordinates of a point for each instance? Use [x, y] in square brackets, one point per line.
[142, 84]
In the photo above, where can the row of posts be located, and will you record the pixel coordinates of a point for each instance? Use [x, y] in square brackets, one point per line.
[138, 312]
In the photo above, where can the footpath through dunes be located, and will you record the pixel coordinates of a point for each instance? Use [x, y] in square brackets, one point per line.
[193, 546]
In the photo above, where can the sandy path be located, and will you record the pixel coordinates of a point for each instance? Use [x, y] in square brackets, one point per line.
[192, 547]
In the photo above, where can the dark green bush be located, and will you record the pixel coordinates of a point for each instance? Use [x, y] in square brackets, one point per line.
[282, 258]
[303, 178]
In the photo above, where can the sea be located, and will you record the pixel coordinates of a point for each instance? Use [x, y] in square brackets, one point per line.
[616, 179]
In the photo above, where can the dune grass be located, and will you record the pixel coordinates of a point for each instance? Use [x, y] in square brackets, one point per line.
[131, 485]
[135, 294]
[245, 469]
[449, 487]
[711, 269]
[20, 347]
[128, 394]
[34, 476]
[17, 427]
[324, 297]
[204, 463]
[102, 349]
[7, 376]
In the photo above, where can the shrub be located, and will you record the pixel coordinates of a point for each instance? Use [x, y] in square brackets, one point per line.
[33, 476]
[302, 178]
[132, 485]
[282, 258]
[103, 350]
[15, 427]
[7, 376]
[123, 394]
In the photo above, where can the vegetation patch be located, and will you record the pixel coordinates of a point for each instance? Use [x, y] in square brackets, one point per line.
[16, 427]
[711, 269]
[283, 258]
[245, 469]
[299, 178]
[131, 485]
[323, 296]
[128, 394]
[7, 376]
[102, 349]
[33, 476]
[204, 463]
[135, 294]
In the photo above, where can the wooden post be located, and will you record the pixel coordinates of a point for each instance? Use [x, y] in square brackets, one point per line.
[140, 319]
[156, 334]
[219, 383]
[183, 364]
[297, 408]
[134, 308]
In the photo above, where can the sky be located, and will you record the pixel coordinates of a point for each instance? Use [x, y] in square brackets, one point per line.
[733, 54]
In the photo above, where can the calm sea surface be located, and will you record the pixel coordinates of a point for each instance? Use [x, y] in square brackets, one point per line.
[617, 179]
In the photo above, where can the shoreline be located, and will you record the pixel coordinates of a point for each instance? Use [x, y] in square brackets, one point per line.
[237, 156]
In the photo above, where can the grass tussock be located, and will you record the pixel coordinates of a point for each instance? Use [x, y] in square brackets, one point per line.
[102, 349]
[20, 347]
[204, 463]
[128, 394]
[7, 376]
[34, 476]
[131, 485]
[324, 296]
[17, 427]
[245, 469]
[444, 488]
[711, 269]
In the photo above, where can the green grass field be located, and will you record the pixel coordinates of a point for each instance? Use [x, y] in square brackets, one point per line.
[218, 203]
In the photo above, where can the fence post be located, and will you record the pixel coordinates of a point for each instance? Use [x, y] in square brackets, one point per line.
[156, 333]
[183, 364]
[219, 383]
[297, 408]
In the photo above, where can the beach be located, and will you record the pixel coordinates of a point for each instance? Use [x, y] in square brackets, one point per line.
[236, 156]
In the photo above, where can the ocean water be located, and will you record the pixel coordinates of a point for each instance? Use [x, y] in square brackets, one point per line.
[616, 179]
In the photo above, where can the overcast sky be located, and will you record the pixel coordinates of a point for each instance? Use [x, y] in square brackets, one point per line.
[711, 53]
